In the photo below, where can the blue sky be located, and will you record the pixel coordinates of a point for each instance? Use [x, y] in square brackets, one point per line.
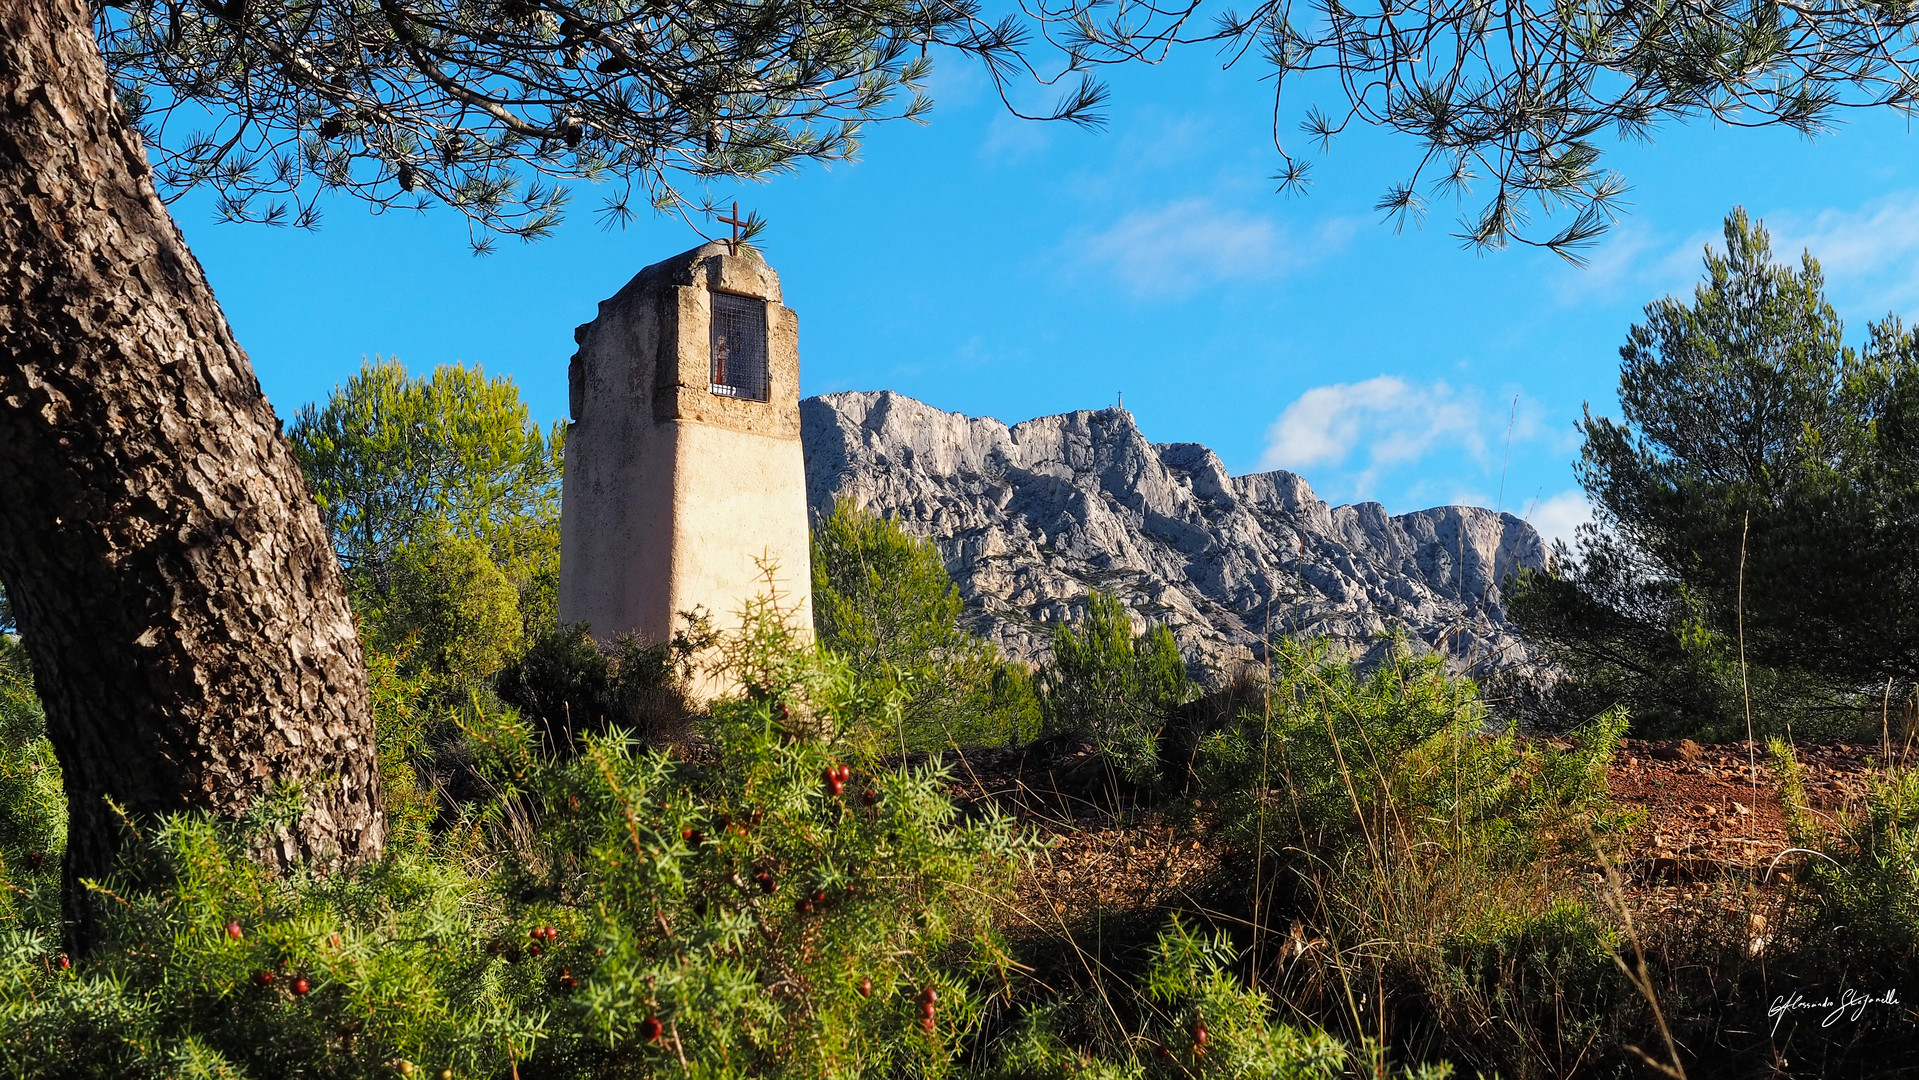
[1007, 268]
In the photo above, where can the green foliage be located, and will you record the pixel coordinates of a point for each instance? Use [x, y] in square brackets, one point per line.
[1112, 687]
[1862, 889]
[1414, 853]
[449, 611]
[1201, 1022]
[730, 895]
[883, 600]
[1400, 754]
[396, 462]
[722, 910]
[403, 722]
[573, 91]
[565, 683]
[1215, 1027]
[33, 805]
[1751, 437]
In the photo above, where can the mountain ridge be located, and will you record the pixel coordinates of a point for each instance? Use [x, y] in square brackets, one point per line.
[1030, 517]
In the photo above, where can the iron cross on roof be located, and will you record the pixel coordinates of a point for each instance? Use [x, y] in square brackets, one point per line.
[733, 245]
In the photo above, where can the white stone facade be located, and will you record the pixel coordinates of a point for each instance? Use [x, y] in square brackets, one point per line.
[678, 488]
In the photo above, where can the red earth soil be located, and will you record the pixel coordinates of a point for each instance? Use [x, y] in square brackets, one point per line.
[1712, 813]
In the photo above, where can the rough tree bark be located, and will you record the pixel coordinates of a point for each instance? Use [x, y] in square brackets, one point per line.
[169, 573]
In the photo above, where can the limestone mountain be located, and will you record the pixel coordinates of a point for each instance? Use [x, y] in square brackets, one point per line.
[1029, 518]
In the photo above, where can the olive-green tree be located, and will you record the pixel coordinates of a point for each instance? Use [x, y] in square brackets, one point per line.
[883, 600]
[395, 460]
[448, 612]
[1761, 485]
[1115, 687]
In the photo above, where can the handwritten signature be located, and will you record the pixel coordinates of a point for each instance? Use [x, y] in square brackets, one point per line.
[1851, 1005]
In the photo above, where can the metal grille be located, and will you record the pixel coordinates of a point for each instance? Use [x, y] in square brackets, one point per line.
[739, 347]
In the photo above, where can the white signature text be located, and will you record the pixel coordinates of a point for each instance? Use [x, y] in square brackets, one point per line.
[1851, 1005]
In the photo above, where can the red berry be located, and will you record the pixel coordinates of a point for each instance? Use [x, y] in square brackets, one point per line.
[301, 986]
[693, 836]
[766, 881]
[928, 1023]
[333, 940]
[785, 713]
[567, 981]
[929, 995]
[819, 896]
[650, 1029]
[533, 950]
[1199, 1033]
[927, 1008]
[803, 906]
[866, 988]
[845, 773]
[536, 933]
[263, 977]
[870, 797]
[550, 934]
[64, 962]
[234, 931]
[833, 782]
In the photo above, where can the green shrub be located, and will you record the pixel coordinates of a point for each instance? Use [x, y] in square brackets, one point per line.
[1401, 753]
[882, 599]
[448, 611]
[741, 908]
[728, 910]
[567, 684]
[1200, 1021]
[1396, 847]
[1860, 895]
[33, 805]
[403, 723]
[1115, 688]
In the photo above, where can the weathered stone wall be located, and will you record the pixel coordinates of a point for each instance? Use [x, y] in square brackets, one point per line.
[674, 495]
[1030, 518]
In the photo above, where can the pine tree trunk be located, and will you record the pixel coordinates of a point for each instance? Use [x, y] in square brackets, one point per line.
[170, 575]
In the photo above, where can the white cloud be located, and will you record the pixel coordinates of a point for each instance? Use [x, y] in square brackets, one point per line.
[1870, 254]
[1349, 437]
[1633, 261]
[1384, 421]
[1557, 516]
[1176, 249]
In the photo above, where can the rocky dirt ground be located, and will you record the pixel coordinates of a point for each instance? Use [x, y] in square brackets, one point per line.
[1712, 815]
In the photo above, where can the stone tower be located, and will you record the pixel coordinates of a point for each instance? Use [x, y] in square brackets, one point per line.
[683, 465]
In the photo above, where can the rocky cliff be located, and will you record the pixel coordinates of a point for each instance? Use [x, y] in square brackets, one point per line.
[1030, 518]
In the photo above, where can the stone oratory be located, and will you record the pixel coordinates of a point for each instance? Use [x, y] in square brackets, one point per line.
[683, 467]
